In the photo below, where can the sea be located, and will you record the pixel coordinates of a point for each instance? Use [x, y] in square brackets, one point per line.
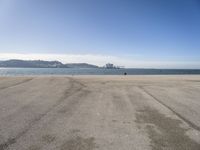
[94, 71]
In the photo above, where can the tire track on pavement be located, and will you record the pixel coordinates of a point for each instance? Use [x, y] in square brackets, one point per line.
[68, 92]
[191, 124]
[16, 84]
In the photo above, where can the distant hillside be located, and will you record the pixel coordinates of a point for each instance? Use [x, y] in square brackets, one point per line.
[30, 64]
[14, 63]
[80, 65]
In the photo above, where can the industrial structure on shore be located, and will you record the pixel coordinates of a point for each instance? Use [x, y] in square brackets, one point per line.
[112, 66]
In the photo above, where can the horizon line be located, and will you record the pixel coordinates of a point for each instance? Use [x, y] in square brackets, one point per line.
[101, 60]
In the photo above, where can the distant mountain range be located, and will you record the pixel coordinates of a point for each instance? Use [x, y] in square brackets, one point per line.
[15, 63]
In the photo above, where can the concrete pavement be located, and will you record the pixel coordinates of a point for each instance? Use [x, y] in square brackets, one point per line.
[100, 112]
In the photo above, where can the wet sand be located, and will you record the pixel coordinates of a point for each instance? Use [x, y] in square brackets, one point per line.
[100, 112]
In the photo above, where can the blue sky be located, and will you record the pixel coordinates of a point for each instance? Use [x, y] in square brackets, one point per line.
[133, 33]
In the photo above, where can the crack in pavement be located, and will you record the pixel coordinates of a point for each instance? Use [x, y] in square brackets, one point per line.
[191, 124]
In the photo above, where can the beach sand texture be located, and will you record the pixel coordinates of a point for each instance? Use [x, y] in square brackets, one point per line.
[100, 112]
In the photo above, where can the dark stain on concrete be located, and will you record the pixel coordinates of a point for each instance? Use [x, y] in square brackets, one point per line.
[190, 123]
[48, 138]
[79, 143]
[73, 131]
[7, 143]
[114, 120]
[193, 80]
[34, 147]
[165, 132]
[119, 103]
[72, 103]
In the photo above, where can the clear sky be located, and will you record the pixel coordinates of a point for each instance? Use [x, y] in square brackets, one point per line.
[133, 33]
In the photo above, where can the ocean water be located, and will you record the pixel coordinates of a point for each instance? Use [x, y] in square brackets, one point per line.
[93, 71]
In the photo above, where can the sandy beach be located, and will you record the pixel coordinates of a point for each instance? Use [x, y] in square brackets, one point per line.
[100, 112]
